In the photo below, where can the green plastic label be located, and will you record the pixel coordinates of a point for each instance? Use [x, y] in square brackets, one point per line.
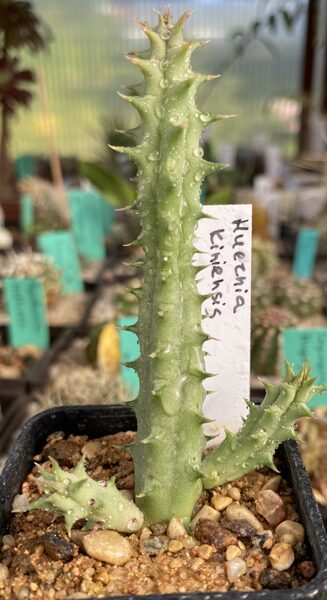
[87, 224]
[25, 303]
[60, 246]
[26, 213]
[108, 215]
[25, 166]
[129, 350]
[299, 345]
[305, 253]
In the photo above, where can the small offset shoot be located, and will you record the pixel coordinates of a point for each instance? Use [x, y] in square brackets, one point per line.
[76, 496]
[170, 471]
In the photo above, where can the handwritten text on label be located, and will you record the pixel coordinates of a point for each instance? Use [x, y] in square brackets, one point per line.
[223, 242]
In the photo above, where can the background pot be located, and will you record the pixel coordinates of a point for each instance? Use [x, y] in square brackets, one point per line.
[101, 420]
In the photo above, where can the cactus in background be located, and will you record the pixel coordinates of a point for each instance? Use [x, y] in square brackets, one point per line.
[76, 496]
[264, 256]
[32, 264]
[170, 471]
[47, 201]
[303, 297]
[82, 385]
[262, 293]
[267, 325]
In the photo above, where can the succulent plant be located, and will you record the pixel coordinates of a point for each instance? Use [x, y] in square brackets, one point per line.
[303, 297]
[32, 264]
[170, 470]
[264, 256]
[47, 203]
[83, 385]
[76, 496]
[267, 325]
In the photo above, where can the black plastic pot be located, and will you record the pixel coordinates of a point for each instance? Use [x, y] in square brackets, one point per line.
[103, 420]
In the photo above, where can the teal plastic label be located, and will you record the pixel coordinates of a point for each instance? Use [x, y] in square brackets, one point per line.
[25, 304]
[26, 213]
[305, 253]
[61, 247]
[108, 215]
[87, 224]
[129, 350]
[299, 345]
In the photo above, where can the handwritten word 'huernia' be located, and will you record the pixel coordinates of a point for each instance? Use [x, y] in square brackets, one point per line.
[239, 256]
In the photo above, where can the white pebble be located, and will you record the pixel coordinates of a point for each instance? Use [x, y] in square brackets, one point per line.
[233, 552]
[108, 546]
[235, 569]
[234, 493]
[221, 502]
[236, 512]
[273, 483]
[175, 529]
[9, 541]
[281, 556]
[4, 572]
[292, 527]
[206, 512]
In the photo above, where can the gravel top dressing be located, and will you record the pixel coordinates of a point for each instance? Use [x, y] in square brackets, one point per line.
[244, 536]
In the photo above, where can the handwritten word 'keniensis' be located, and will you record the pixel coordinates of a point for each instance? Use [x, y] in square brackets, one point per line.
[217, 270]
[217, 262]
[240, 267]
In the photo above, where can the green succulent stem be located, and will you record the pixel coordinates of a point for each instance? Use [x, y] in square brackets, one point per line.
[265, 428]
[169, 445]
[76, 496]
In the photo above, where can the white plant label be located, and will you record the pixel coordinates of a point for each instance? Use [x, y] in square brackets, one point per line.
[223, 244]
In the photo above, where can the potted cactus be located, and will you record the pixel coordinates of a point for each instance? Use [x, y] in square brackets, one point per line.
[173, 475]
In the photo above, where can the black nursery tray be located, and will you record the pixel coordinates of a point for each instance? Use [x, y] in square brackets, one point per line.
[103, 420]
[12, 413]
[18, 385]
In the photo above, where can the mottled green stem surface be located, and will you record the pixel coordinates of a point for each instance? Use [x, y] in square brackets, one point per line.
[169, 445]
[168, 450]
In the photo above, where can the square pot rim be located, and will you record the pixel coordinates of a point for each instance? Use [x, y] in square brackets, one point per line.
[313, 589]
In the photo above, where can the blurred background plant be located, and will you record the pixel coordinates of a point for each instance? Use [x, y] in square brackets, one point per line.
[20, 29]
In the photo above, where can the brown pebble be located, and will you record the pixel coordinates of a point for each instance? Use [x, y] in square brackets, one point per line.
[275, 580]
[271, 506]
[239, 512]
[159, 528]
[210, 532]
[242, 528]
[102, 576]
[66, 453]
[197, 564]
[205, 551]
[307, 569]
[57, 548]
[175, 546]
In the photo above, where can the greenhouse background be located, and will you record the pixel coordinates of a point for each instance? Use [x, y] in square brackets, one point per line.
[85, 65]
